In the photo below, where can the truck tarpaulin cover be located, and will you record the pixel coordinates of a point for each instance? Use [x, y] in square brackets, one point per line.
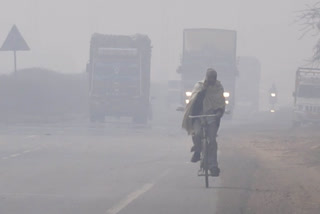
[216, 42]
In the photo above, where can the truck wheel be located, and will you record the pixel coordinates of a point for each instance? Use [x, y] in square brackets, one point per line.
[96, 117]
[150, 113]
[296, 124]
[141, 118]
[101, 118]
[93, 117]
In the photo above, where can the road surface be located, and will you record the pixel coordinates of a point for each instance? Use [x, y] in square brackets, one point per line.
[119, 168]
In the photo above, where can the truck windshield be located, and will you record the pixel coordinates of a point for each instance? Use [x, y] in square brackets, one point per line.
[117, 69]
[309, 91]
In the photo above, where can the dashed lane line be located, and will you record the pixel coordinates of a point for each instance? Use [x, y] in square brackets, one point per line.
[32, 136]
[15, 155]
[130, 198]
[19, 154]
[133, 196]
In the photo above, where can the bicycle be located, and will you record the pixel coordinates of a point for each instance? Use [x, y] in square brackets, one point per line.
[204, 169]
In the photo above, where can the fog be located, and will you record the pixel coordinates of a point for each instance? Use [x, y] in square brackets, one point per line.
[59, 32]
[84, 129]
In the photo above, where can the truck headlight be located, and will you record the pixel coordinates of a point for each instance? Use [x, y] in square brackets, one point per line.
[188, 93]
[187, 101]
[273, 94]
[227, 102]
[226, 94]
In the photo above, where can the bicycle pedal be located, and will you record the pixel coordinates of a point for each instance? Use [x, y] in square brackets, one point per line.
[201, 173]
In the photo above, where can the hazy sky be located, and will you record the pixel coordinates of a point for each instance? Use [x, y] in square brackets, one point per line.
[59, 31]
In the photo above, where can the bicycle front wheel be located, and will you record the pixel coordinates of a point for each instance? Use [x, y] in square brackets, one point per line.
[205, 163]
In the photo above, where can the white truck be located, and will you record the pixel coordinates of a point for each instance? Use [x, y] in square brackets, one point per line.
[307, 96]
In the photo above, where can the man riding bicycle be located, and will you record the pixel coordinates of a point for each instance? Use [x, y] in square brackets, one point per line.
[207, 98]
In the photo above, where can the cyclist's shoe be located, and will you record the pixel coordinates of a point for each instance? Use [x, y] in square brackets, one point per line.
[195, 157]
[193, 149]
[215, 171]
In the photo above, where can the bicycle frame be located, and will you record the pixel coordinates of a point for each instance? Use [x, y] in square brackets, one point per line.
[204, 147]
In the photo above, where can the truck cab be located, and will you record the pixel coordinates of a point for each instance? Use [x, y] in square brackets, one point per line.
[307, 96]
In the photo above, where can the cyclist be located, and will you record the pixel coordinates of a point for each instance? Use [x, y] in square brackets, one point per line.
[207, 98]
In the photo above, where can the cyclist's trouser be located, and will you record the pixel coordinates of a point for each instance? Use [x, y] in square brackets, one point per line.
[213, 146]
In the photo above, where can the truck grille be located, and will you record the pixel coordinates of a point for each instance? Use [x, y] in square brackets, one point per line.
[314, 109]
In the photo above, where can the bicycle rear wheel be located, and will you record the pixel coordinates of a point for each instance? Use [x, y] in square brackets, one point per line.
[205, 163]
[207, 178]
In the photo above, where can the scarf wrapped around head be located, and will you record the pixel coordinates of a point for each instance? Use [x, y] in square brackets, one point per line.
[213, 100]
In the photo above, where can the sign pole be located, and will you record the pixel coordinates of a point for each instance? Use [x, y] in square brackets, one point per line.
[15, 61]
[14, 42]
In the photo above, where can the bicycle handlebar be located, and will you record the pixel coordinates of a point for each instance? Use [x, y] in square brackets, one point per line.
[203, 116]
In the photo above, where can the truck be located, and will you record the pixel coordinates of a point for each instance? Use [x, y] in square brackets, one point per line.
[307, 96]
[119, 77]
[209, 48]
[248, 86]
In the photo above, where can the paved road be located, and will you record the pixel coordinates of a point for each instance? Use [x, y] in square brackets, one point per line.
[117, 168]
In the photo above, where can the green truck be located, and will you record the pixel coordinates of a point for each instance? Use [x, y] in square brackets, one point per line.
[119, 77]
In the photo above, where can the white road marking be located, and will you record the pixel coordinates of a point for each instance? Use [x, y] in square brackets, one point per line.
[15, 155]
[133, 196]
[32, 136]
[315, 147]
[130, 198]
[37, 148]
[19, 154]
[31, 194]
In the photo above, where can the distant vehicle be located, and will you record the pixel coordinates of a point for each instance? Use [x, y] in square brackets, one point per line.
[273, 98]
[119, 74]
[248, 86]
[208, 48]
[307, 96]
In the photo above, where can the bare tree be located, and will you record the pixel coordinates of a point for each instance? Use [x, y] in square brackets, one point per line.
[309, 20]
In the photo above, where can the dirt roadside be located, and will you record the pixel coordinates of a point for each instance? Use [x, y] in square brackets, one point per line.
[277, 172]
[289, 172]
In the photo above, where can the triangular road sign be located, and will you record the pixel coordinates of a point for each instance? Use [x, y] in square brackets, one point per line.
[14, 41]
